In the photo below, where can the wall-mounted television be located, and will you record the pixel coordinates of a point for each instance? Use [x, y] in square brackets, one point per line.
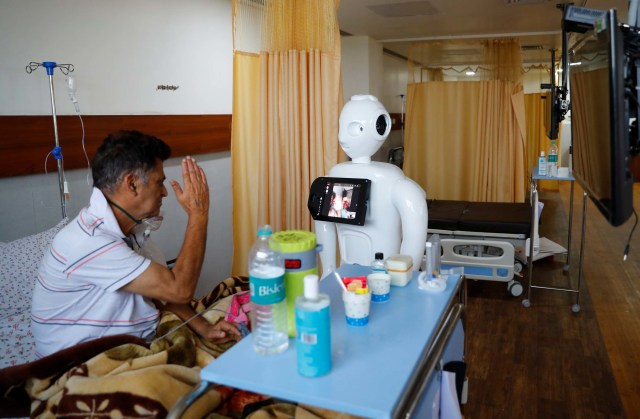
[600, 118]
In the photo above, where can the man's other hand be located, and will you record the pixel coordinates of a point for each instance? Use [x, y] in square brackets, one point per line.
[220, 332]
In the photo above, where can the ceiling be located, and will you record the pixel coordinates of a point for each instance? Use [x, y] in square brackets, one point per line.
[397, 23]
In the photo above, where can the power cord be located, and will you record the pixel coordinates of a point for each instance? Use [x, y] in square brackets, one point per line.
[241, 326]
[628, 246]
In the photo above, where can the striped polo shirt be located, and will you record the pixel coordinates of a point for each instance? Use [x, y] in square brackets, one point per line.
[77, 294]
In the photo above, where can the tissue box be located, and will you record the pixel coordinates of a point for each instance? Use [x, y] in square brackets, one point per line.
[399, 268]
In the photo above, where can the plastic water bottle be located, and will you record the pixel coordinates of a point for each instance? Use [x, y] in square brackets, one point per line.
[313, 323]
[378, 263]
[542, 164]
[266, 288]
[552, 161]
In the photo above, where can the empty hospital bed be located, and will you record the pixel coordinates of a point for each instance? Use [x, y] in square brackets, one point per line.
[490, 240]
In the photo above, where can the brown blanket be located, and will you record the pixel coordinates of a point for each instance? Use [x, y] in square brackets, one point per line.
[121, 376]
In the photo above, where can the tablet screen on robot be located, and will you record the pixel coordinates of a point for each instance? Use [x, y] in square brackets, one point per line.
[339, 200]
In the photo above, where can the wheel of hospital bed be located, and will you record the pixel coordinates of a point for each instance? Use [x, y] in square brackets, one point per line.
[515, 288]
[526, 303]
[575, 308]
[517, 267]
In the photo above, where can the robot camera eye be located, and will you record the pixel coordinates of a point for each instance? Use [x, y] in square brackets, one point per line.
[381, 125]
[355, 128]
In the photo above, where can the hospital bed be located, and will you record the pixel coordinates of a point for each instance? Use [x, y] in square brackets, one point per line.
[490, 240]
[128, 376]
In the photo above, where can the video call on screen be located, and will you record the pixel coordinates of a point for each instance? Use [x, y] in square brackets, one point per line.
[340, 197]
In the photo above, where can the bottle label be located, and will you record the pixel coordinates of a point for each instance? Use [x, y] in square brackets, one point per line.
[542, 168]
[553, 158]
[266, 291]
[313, 343]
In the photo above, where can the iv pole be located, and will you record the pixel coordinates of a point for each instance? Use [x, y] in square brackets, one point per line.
[57, 150]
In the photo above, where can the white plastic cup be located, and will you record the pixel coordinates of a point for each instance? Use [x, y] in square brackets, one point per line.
[379, 284]
[356, 308]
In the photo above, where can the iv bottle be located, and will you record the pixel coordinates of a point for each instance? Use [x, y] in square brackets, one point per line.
[378, 263]
[313, 325]
[542, 164]
[552, 161]
[266, 288]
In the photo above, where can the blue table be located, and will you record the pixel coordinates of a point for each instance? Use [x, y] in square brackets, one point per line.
[378, 371]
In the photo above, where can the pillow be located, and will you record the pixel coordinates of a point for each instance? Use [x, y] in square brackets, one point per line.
[19, 262]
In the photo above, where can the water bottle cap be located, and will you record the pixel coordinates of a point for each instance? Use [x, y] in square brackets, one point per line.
[379, 256]
[265, 230]
[311, 286]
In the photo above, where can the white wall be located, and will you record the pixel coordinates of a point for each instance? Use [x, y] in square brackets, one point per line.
[366, 69]
[121, 50]
[355, 66]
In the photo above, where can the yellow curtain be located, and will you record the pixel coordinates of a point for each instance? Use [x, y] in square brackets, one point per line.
[289, 113]
[244, 159]
[443, 167]
[500, 168]
[465, 140]
[536, 138]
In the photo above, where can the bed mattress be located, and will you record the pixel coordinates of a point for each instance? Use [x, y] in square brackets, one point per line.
[482, 217]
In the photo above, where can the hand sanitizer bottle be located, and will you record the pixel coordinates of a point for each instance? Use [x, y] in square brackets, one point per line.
[542, 164]
[313, 326]
[377, 265]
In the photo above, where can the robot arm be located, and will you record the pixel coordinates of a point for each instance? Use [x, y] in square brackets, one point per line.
[411, 202]
[326, 238]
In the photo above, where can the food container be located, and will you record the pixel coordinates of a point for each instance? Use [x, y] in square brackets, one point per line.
[300, 259]
[399, 267]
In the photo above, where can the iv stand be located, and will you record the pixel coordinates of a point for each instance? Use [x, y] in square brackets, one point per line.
[57, 150]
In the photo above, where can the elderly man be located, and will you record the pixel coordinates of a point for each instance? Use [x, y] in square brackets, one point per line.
[95, 281]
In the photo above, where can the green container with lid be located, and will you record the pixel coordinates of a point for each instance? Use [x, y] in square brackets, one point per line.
[298, 248]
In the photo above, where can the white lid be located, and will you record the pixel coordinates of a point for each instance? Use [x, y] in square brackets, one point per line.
[399, 262]
[542, 154]
[311, 286]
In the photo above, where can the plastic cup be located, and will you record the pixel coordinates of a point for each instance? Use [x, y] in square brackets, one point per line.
[380, 286]
[356, 308]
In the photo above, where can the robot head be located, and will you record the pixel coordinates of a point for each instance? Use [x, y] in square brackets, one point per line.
[364, 125]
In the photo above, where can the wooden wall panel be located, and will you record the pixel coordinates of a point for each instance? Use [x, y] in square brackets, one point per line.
[25, 141]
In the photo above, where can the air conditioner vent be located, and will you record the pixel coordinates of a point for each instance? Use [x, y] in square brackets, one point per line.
[408, 9]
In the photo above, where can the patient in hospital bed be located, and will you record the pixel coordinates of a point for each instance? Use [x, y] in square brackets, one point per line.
[105, 343]
[95, 280]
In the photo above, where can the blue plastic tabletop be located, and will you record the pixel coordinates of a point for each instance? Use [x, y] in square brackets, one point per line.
[371, 364]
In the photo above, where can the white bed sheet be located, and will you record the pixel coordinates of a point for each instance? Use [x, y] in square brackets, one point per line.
[19, 261]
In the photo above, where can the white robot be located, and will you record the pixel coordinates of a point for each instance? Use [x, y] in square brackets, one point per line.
[396, 219]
